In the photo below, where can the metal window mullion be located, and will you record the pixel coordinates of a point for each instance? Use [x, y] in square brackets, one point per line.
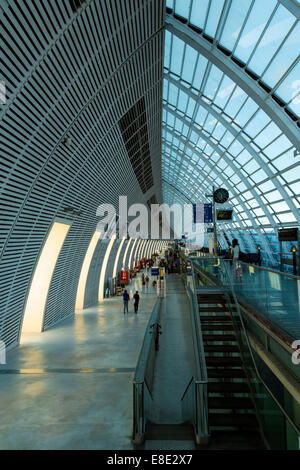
[238, 172]
[222, 21]
[277, 51]
[243, 27]
[262, 34]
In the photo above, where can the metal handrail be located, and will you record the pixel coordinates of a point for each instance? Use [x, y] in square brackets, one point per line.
[251, 353]
[203, 369]
[140, 381]
[140, 369]
[262, 268]
[200, 380]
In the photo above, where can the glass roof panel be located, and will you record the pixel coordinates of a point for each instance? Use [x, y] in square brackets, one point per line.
[289, 90]
[236, 16]
[273, 37]
[253, 29]
[213, 132]
[198, 15]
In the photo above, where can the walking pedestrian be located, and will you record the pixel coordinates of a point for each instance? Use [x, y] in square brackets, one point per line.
[126, 298]
[147, 280]
[236, 256]
[136, 302]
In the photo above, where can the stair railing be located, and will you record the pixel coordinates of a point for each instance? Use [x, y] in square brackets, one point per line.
[143, 379]
[257, 383]
[195, 397]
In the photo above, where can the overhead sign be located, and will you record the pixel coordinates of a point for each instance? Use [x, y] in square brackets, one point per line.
[288, 234]
[202, 213]
[224, 214]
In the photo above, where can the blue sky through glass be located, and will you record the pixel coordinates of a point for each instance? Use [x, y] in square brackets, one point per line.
[213, 132]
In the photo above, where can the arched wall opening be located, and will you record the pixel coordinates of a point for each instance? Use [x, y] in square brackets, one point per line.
[39, 287]
[125, 254]
[117, 258]
[131, 253]
[137, 251]
[79, 303]
[103, 268]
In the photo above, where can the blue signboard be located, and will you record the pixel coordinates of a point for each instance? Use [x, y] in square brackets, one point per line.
[202, 213]
[154, 271]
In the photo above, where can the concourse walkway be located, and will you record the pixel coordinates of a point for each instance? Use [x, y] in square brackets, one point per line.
[71, 386]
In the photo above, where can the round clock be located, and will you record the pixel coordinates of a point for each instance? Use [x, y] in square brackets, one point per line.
[221, 195]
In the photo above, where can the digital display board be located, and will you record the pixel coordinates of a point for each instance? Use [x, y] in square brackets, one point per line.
[288, 235]
[224, 214]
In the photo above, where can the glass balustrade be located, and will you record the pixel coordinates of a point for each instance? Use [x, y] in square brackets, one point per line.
[277, 410]
[276, 296]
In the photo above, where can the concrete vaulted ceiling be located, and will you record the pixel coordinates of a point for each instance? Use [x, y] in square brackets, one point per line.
[161, 100]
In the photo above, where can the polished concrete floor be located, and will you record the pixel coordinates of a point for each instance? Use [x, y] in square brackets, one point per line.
[70, 387]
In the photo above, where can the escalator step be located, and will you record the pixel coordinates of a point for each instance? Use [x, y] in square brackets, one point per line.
[232, 403]
[226, 373]
[209, 338]
[212, 318]
[228, 387]
[230, 419]
[249, 439]
[214, 309]
[216, 298]
[220, 348]
[223, 361]
[217, 327]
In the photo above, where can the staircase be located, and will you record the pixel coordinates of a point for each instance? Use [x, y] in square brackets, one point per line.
[232, 419]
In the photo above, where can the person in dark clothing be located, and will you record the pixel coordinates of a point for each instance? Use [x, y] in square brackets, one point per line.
[136, 301]
[126, 298]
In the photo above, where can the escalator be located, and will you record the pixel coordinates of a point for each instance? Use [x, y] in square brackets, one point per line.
[232, 419]
[230, 400]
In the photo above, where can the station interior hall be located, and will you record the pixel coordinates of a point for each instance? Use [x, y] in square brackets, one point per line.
[149, 237]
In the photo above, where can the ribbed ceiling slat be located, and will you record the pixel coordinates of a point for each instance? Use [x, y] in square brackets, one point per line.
[75, 74]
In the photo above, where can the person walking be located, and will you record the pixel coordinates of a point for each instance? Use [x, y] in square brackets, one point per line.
[147, 280]
[126, 298]
[136, 302]
[236, 256]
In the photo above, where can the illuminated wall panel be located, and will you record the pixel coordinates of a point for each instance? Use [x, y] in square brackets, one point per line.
[36, 301]
[117, 257]
[125, 254]
[84, 271]
[103, 268]
[131, 253]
